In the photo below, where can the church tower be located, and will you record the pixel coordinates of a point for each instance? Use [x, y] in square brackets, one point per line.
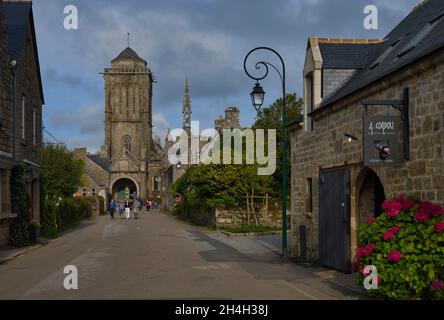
[128, 124]
[186, 107]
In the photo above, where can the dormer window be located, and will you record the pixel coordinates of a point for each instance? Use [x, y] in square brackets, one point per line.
[421, 35]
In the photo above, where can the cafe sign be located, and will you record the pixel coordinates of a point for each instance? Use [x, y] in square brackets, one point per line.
[381, 140]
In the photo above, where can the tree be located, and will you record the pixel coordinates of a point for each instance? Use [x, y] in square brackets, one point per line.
[271, 118]
[62, 174]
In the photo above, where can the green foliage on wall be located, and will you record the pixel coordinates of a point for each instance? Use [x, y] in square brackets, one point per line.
[19, 233]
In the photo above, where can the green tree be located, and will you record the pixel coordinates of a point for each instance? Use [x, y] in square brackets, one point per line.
[62, 174]
[271, 118]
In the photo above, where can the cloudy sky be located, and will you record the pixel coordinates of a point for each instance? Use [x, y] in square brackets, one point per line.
[204, 40]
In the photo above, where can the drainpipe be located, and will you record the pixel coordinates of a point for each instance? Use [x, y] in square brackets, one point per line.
[13, 66]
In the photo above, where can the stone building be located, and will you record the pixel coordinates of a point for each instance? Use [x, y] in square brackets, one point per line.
[129, 163]
[21, 100]
[333, 191]
[230, 121]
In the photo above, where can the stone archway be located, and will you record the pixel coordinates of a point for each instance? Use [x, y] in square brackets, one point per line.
[124, 188]
[371, 195]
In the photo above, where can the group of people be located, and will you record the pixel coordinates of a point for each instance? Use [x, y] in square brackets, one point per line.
[128, 207]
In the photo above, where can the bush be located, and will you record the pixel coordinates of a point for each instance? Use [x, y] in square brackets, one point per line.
[60, 215]
[406, 245]
[48, 220]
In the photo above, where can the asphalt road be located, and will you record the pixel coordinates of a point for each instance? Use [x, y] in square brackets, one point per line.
[159, 257]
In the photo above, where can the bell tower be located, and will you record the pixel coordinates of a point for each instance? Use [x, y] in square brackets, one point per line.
[128, 120]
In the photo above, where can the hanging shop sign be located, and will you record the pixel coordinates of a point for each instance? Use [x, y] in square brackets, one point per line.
[381, 140]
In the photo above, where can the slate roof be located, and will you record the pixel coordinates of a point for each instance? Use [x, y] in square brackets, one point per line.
[404, 32]
[100, 161]
[128, 54]
[18, 16]
[347, 55]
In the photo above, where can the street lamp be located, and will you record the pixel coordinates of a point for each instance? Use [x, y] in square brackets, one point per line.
[257, 99]
[257, 96]
[178, 165]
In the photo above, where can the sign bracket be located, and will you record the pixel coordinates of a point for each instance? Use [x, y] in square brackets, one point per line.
[402, 106]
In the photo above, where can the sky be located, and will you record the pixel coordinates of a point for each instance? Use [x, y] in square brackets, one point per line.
[203, 40]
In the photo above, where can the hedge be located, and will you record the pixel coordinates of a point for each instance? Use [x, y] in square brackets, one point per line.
[62, 214]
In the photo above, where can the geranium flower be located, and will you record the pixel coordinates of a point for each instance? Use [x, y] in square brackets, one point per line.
[437, 211]
[394, 256]
[392, 207]
[437, 285]
[439, 227]
[370, 220]
[426, 207]
[388, 235]
[395, 229]
[421, 216]
[406, 204]
[368, 249]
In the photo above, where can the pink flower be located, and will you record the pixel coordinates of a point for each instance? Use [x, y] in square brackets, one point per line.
[426, 207]
[359, 253]
[394, 256]
[392, 207]
[395, 229]
[406, 204]
[368, 249]
[388, 235]
[439, 227]
[437, 211]
[421, 216]
[355, 266]
[437, 285]
[370, 220]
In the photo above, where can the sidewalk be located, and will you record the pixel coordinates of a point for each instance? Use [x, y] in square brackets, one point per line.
[273, 243]
[10, 254]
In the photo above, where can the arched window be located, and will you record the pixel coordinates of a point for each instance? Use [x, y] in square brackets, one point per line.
[156, 184]
[126, 142]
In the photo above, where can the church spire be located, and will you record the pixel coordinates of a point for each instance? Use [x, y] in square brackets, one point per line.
[186, 107]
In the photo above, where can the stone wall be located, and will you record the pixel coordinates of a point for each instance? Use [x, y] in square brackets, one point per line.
[332, 79]
[238, 217]
[6, 123]
[326, 147]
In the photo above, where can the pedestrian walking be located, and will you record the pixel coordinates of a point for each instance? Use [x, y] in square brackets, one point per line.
[112, 208]
[136, 208]
[127, 209]
[120, 208]
[147, 206]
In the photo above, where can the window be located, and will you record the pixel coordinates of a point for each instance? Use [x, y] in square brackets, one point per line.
[384, 55]
[309, 200]
[309, 85]
[23, 117]
[126, 141]
[34, 128]
[156, 184]
[421, 35]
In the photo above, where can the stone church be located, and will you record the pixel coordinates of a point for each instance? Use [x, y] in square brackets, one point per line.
[129, 164]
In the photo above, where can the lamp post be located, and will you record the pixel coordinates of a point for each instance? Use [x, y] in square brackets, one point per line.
[257, 99]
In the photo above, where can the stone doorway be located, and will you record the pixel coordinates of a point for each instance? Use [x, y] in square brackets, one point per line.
[371, 197]
[124, 189]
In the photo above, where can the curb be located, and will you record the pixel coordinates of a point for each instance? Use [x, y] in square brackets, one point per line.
[19, 253]
[250, 234]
